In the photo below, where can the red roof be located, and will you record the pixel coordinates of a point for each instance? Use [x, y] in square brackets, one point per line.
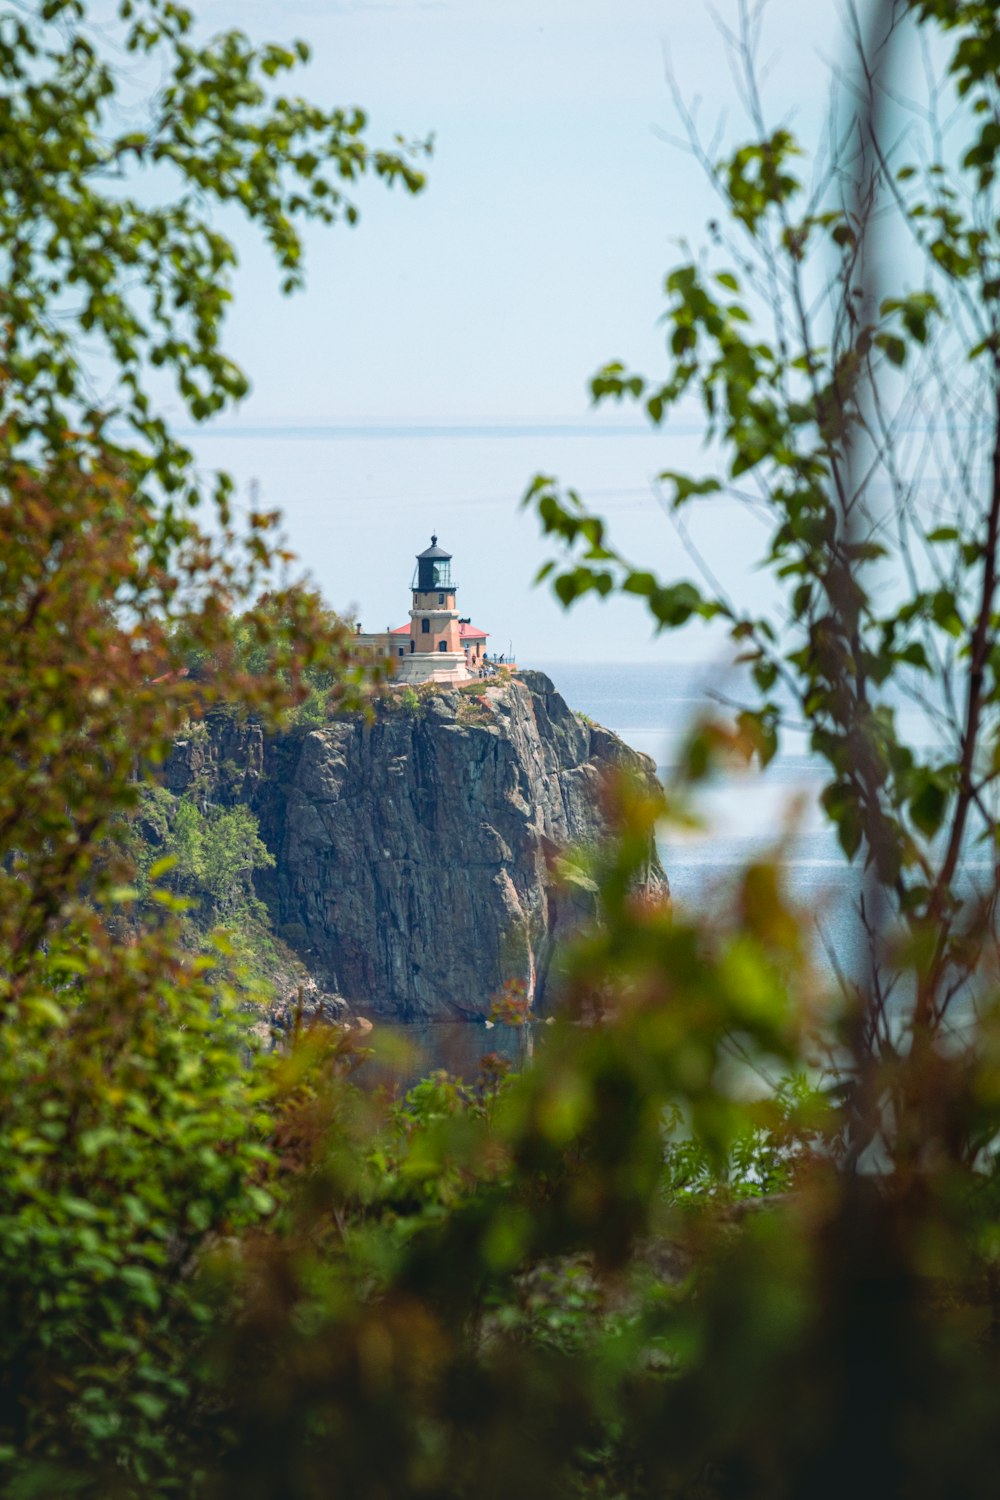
[466, 632]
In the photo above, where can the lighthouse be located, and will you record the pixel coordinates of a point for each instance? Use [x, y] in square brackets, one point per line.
[436, 646]
[436, 653]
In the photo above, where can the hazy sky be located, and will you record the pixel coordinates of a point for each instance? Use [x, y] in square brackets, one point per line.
[537, 252]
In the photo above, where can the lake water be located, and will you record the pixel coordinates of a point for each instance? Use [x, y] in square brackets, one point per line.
[743, 812]
[403, 1054]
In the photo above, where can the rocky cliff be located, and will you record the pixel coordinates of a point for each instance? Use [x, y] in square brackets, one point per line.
[412, 850]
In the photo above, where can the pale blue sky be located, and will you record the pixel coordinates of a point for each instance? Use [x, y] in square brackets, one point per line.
[536, 253]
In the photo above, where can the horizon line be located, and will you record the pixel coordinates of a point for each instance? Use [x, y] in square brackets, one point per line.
[367, 430]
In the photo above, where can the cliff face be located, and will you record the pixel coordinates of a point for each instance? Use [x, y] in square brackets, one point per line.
[411, 852]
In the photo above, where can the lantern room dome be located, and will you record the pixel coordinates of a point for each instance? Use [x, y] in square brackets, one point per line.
[433, 569]
[434, 551]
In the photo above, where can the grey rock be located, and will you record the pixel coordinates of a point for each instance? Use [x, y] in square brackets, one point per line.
[221, 759]
[413, 851]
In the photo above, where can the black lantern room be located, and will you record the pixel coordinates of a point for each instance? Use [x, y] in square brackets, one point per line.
[433, 569]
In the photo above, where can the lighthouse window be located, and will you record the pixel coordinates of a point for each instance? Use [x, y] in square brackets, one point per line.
[440, 598]
[425, 626]
[400, 650]
[442, 645]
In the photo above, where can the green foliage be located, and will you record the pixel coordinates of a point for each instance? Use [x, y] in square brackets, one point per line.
[205, 854]
[472, 710]
[313, 712]
[147, 269]
[806, 415]
[131, 1138]
[265, 645]
[664, 1277]
[645, 1266]
[215, 851]
[822, 1345]
[135, 1137]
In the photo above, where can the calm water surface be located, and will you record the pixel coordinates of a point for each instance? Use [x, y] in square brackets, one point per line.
[744, 813]
[403, 1054]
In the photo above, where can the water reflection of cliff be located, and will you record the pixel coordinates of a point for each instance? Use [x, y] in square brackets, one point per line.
[403, 1054]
